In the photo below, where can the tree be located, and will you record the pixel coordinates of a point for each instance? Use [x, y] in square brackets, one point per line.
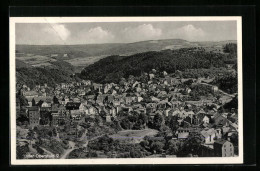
[135, 153]
[158, 121]
[115, 125]
[143, 117]
[232, 104]
[188, 82]
[234, 139]
[21, 151]
[230, 48]
[56, 100]
[173, 146]
[174, 124]
[103, 114]
[39, 150]
[33, 102]
[192, 145]
[137, 125]
[98, 119]
[105, 139]
[30, 135]
[26, 124]
[145, 144]
[23, 100]
[92, 154]
[125, 123]
[157, 147]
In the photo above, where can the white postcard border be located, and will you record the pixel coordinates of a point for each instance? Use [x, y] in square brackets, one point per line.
[183, 160]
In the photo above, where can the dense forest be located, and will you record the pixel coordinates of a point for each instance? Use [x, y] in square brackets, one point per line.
[227, 83]
[230, 48]
[39, 76]
[58, 72]
[112, 68]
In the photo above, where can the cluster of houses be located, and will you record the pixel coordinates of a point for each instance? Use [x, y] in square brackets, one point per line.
[156, 95]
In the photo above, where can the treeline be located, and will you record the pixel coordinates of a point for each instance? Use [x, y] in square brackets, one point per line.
[112, 68]
[62, 65]
[211, 72]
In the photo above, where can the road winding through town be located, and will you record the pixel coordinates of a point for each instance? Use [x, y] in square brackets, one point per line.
[68, 151]
[221, 91]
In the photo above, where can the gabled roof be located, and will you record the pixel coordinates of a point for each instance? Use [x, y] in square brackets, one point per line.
[37, 99]
[61, 107]
[220, 120]
[33, 108]
[54, 107]
[206, 133]
[189, 113]
[30, 93]
[40, 103]
[72, 105]
[201, 111]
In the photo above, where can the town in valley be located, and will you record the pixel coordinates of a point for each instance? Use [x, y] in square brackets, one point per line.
[155, 114]
[176, 101]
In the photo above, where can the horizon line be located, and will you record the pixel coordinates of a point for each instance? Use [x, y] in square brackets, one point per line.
[122, 42]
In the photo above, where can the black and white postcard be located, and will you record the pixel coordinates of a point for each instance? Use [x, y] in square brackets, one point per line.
[126, 90]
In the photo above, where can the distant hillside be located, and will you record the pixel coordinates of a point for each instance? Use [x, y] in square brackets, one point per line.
[87, 50]
[62, 65]
[72, 51]
[145, 46]
[81, 56]
[21, 64]
[112, 68]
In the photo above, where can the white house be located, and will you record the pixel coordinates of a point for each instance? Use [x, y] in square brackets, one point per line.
[90, 110]
[210, 135]
[45, 104]
[205, 120]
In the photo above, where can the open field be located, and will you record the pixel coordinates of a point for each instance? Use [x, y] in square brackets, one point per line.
[84, 61]
[134, 136]
[36, 60]
[41, 61]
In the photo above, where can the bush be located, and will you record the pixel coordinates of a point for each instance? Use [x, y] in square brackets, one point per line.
[21, 151]
[136, 154]
[39, 150]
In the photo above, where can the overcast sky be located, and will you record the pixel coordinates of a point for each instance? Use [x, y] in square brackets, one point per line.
[123, 32]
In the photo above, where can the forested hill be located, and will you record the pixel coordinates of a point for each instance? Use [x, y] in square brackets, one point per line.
[58, 72]
[112, 68]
